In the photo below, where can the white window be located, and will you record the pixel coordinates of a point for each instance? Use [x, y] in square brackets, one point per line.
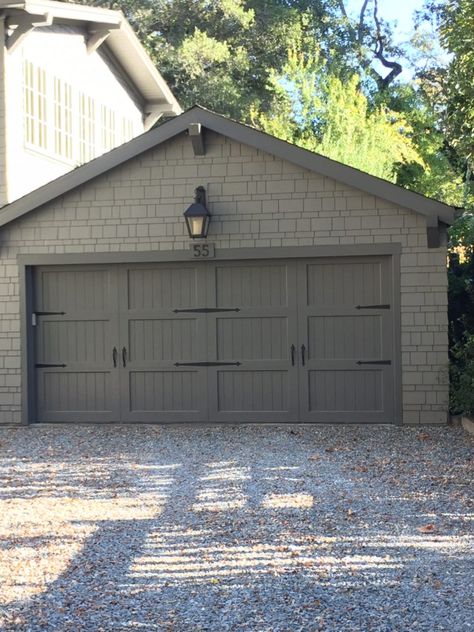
[108, 128]
[35, 100]
[87, 128]
[63, 119]
[127, 130]
[68, 124]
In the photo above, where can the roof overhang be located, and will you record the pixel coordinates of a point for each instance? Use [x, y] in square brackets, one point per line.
[437, 214]
[102, 26]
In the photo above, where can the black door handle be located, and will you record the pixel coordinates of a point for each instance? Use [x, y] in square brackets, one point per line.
[303, 349]
[292, 349]
[114, 356]
[124, 357]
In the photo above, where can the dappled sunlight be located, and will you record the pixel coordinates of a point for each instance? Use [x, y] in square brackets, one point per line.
[57, 509]
[288, 501]
[165, 531]
[220, 487]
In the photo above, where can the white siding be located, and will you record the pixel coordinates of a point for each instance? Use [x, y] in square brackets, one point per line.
[59, 57]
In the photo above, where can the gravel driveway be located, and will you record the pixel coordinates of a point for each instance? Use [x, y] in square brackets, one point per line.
[268, 529]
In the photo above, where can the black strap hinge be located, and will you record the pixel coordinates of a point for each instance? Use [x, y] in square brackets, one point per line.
[373, 362]
[384, 306]
[207, 310]
[48, 366]
[207, 364]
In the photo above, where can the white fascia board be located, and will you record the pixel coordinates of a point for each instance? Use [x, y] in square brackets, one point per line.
[122, 42]
[131, 55]
[65, 11]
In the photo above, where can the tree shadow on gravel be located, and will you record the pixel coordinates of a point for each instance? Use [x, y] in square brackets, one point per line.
[319, 543]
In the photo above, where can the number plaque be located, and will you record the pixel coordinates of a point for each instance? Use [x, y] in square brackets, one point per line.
[202, 251]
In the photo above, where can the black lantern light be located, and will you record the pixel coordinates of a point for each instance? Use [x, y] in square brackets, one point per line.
[197, 216]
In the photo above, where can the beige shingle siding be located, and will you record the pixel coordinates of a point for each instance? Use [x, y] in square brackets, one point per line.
[255, 201]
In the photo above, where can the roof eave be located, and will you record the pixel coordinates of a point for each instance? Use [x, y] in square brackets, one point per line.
[434, 211]
[121, 41]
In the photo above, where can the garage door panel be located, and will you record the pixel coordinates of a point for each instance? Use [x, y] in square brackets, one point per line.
[346, 322]
[165, 340]
[73, 290]
[164, 391]
[349, 337]
[81, 341]
[256, 285]
[346, 391]
[344, 284]
[77, 396]
[162, 288]
[252, 391]
[252, 338]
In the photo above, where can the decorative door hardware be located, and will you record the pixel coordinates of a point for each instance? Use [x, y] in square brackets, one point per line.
[374, 362]
[114, 356]
[49, 366]
[124, 356]
[207, 310]
[292, 350]
[385, 306]
[207, 363]
[49, 313]
[303, 349]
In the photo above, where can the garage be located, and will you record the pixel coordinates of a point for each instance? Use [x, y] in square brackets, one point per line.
[207, 272]
[282, 340]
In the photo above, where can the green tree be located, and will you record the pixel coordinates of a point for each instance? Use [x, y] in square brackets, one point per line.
[317, 111]
[221, 53]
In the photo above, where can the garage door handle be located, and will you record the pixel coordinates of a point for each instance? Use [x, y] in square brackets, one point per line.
[114, 357]
[303, 349]
[292, 349]
[124, 357]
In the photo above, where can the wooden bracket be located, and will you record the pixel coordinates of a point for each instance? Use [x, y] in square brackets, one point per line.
[97, 36]
[24, 27]
[196, 135]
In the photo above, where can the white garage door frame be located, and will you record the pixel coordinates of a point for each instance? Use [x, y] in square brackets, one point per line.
[27, 263]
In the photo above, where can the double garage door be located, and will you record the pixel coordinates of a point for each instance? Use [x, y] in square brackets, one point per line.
[240, 341]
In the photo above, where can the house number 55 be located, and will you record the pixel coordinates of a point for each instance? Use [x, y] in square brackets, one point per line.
[202, 251]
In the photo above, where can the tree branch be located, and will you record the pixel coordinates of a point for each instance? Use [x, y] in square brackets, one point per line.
[379, 53]
[360, 28]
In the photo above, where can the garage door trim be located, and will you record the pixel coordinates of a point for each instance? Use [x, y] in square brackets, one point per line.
[26, 264]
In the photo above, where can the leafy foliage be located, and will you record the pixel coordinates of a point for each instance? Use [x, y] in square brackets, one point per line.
[457, 31]
[317, 111]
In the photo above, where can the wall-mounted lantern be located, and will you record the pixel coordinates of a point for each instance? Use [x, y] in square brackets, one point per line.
[197, 216]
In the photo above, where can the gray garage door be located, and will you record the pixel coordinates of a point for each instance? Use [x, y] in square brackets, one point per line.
[263, 341]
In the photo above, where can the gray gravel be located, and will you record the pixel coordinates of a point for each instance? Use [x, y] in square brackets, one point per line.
[269, 529]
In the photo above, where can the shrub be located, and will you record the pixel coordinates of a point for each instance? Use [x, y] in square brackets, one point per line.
[462, 377]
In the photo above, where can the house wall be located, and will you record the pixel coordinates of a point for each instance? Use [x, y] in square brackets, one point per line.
[3, 172]
[255, 200]
[61, 50]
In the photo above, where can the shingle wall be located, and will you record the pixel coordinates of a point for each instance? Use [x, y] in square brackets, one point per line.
[256, 200]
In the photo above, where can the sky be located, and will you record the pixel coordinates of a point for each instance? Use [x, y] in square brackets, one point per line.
[400, 13]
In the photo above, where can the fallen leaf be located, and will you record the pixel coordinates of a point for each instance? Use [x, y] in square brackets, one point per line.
[424, 436]
[427, 528]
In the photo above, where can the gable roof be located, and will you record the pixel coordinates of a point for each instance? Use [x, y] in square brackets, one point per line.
[104, 25]
[434, 211]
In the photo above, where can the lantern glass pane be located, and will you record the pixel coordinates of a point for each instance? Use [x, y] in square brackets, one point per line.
[196, 226]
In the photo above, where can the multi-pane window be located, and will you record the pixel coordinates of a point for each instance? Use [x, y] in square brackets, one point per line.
[108, 128]
[127, 130]
[35, 101]
[87, 128]
[68, 124]
[63, 119]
